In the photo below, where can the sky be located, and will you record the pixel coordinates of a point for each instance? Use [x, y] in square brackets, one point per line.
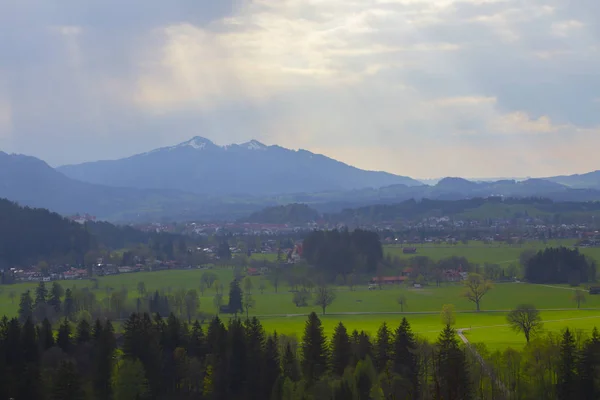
[424, 88]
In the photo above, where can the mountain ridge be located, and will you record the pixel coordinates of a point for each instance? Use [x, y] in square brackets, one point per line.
[200, 166]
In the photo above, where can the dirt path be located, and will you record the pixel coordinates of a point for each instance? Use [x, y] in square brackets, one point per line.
[488, 369]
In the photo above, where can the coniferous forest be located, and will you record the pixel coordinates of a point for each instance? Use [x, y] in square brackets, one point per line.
[167, 358]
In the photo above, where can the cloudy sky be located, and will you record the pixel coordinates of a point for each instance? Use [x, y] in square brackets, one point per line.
[424, 88]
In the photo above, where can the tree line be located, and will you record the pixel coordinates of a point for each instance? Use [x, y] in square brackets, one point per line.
[30, 236]
[169, 358]
[560, 265]
[340, 252]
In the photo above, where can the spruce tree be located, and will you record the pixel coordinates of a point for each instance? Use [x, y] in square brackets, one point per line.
[272, 366]
[588, 368]
[97, 330]
[255, 364]
[315, 353]
[68, 306]
[235, 297]
[83, 332]
[216, 338]
[365, 347]
[341, 350]
[104, 346]
[289, 365]
[383, 347]
[197, 343]
[452, 371]
[29, 376]
[45, 335]
[25, 307]
[55, 297]
[405, 361]
[567, 372]
[63, 339]
[67, 384]
[41, 294]
[236, 359]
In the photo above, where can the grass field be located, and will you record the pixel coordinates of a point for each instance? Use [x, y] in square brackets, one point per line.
[488, 328]
[477, 252]
[365, 310]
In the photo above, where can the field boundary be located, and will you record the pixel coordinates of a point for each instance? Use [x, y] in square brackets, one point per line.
[417, 312]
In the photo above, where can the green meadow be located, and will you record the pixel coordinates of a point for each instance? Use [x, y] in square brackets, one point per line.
[364, 309]
[478, 252]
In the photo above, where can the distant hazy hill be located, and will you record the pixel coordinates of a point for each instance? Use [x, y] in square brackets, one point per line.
[591, 180]
[475, 208]
[31, 182]
[200, 166]
[288, 214]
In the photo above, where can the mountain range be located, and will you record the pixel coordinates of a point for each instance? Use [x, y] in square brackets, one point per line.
[200, 166]
[199, 180]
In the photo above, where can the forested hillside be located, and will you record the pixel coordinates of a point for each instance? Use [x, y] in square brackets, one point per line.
[30, 234]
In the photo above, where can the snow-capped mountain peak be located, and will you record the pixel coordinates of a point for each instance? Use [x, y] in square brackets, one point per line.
[196, 142]
[253, 145]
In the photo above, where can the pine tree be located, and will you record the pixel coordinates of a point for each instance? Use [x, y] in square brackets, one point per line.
[29, 376]
[588, 368]
[63, 339]
[272, 366]
[289, 365]
[55, 297]
[67, 384]
[197, 342]
[453, 381]
[235, 297]
[364, 347]
[567, 373]
[41, 294]
[315, 353]
[25, 307]
[141, 341]
[104, 346]
[83, 332]
[405, 361]
[69, 306]
[97, 330]
[383, 347]
[341, 350]
[45, 335]
[11, 355]
[255, 341]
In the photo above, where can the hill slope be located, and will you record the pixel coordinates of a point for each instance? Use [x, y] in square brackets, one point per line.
[28, 235]
[200, 166]
[591, 180]
[31, 182]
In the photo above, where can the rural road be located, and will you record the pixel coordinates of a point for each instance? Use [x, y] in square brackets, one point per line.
[488, 370]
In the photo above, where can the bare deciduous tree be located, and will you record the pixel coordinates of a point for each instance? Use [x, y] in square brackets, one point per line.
[579, 297]
[476, 286]
[325, 296]
[525, 318]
